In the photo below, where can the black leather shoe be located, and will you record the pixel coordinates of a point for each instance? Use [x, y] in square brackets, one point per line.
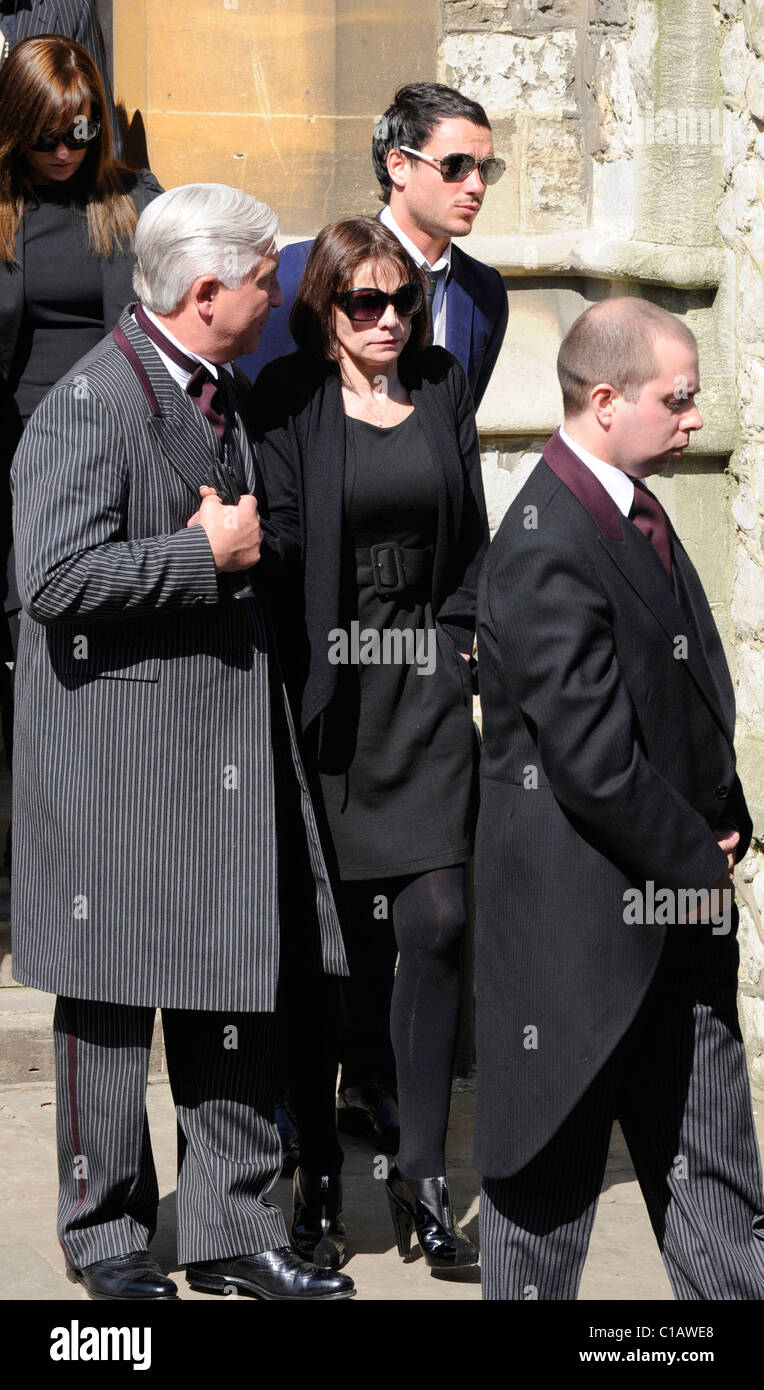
[371, 1110]
[274, 1274]
[423, 1205]
[125, 1276]
[318, 1231]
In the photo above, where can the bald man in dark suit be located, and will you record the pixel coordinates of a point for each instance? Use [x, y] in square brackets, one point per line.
[611, 818]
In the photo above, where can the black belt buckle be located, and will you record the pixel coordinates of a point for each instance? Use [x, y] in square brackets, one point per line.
[388, 568]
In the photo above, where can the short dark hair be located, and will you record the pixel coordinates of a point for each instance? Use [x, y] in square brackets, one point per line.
[337, 252]
[416, 110]
[614, 341]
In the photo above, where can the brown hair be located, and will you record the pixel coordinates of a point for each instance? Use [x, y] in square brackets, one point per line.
[614, 341]
[337, 252]
[43, 85]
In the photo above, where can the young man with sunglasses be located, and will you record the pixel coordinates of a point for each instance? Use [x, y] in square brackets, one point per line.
[432, 152]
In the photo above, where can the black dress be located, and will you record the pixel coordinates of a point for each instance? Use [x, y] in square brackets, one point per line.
[396, 764]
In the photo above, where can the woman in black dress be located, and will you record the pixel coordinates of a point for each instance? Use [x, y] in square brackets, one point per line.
[368, 441]
[68, 211]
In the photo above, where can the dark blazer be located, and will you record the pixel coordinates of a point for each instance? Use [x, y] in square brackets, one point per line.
[146, 786]
[476, 316]
[75, 19]
[606, 763]
[297, 418]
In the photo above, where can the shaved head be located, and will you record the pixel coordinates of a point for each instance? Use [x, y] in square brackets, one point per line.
[614, 342]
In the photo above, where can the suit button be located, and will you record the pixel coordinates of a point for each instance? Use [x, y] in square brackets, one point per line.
[722, 791]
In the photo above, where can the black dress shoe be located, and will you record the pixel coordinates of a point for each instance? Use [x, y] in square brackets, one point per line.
[274, 1274]
[423, 1205]
[370, 1109]
[125, 1277]
[318, 1231]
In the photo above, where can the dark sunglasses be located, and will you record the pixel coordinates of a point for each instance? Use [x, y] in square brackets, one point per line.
[454, 168]
[366, 306]
[79, 135]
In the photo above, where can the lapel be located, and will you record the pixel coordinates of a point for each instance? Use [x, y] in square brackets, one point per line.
[641, 567]
[186, 439]
[460, 307]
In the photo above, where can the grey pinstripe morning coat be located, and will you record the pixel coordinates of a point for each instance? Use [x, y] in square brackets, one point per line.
[145, 867]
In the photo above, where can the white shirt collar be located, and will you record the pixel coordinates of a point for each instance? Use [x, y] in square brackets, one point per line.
[416, 255]
[177, 372]
[616, 483]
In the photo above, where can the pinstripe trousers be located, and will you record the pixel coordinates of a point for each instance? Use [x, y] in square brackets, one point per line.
[221, 1069]
[679, 1087]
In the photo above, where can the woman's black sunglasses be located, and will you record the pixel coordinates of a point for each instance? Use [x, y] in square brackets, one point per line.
[366, 306]
[79, 135]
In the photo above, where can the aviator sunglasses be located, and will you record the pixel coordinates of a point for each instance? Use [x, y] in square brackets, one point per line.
[366, 306]
[454, 168]
[80, 134]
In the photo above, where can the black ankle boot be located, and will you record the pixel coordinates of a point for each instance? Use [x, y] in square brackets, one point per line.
[423, 1205]
[318, 1231]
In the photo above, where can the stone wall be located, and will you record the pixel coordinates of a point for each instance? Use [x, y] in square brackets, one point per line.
[740, 220]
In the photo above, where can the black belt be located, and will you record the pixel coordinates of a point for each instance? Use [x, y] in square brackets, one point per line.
[393, 568]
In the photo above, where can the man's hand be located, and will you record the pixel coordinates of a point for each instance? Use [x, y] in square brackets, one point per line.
[233, 532]
[728, 839]
[722, 895]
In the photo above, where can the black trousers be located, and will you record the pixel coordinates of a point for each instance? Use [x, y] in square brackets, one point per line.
[678, 1085]
[221, 1069]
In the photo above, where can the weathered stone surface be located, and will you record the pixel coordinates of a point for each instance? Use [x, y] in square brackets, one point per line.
[751, 1009]
[748, 597]
[512, 73]
[735, 63]
[754, 93]
[753, 18]
[554, 175]
[750, 682]
[616, 102]
[524, 17]
[615, 12]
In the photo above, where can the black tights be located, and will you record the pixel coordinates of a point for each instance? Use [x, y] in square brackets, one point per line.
[428, 917]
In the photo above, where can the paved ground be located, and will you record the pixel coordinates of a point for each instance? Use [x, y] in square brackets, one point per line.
[623, 1261]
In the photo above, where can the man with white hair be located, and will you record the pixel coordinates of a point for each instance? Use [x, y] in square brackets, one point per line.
[158, 777]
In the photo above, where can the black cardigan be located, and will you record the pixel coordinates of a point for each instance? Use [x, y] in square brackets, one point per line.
[297, 420]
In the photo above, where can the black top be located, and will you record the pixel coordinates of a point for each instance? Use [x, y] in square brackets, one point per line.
[63, 295]
[396, 765]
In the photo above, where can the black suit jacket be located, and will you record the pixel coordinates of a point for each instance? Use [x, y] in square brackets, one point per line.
[608, 758]
[297, 417]
[76, 19]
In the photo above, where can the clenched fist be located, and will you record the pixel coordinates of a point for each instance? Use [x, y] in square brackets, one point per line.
[233, 532]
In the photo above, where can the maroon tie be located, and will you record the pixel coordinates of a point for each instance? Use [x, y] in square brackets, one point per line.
[649, 516]
[204, 390]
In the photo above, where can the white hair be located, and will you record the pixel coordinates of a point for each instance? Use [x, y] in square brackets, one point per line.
[199, 229]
